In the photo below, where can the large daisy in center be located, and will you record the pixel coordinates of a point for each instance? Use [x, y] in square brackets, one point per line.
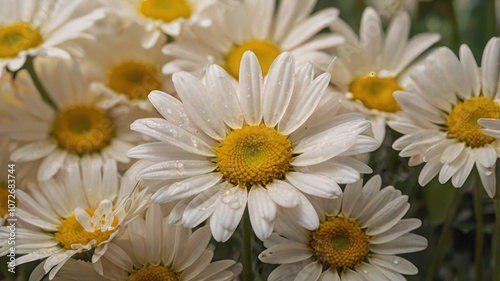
[259, 142]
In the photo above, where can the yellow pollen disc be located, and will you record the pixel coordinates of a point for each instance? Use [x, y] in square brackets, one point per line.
[165, 10]
[83, 129]
[134, 79]
[4, 197]
[462, 121]
[265, 51]
[339, 242]
[375, 92]
[153, 273]
[71, 232]
[253, 155]
[18, 37]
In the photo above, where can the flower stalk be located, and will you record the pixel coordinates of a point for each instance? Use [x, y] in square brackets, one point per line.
[247, 247]
[28, 65]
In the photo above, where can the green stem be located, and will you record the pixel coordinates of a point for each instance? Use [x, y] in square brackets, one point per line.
[496, 239]
[478, 210]
[445, 235]
[247, 247]
[28, 65]
[491, 18]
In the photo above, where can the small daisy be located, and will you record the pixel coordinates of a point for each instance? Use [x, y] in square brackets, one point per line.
[125, 74]
[358, 238]
[159, 16]
[41, 28]
[370, 68]
[260, 142]
[80, 126]
[441, 112]
[158, 250]
[78, 211]
[257, 26]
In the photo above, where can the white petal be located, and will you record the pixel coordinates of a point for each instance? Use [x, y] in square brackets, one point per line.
[250, 88]
[486, 156]
[278, 88]
[310, 272]
[198, 106]
[262, 211]
[223, 95]
[153, 232]
[316, 185]
[282, 193]
[407, 243]
[201, 207]
[286, 253]
[176, 169]
[329, 275]
[303, 106]
[186, 188]
[228, 212]
[490, 68]
[370, 272]
[172, 134]
[394, 263]
[488, 179]
[388, 216]
[51, 164]
[33, 151]
[196, 244]
[472, 71]
[402, 227]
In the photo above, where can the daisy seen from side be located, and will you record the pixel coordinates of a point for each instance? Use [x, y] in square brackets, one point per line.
[450, 117]
[258, 26]
[42, 28]
[259, 143]
[78, 211]
[371, 66]
[358, 238]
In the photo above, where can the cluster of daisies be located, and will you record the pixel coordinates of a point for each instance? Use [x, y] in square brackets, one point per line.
[143, 129]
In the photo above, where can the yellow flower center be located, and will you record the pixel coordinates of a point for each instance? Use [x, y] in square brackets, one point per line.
[83, 129]
[462, 120]
[339, 242]
[153, 273]
[253, 155]
[134, 79]
[165, 10]
[18, 37]
[375, 92]
[72, 232]
[4, 197]
[265, 51]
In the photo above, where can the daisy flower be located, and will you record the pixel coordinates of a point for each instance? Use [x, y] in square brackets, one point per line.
[157, 250]
[78, 211]
[359, 238]
[41, 28]
[370, 67]
[257, 26]
[440, 116]
[125, 74]
[81, 126]
[259, 142]
[159, 16]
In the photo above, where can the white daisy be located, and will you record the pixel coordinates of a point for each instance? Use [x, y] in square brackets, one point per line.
[125, 74]
[370, 67]
[358, 239]
[41, 28]
[261, 141]
[159, 16]
[440, 116]
[257, 26]
[80, 126]
[79, 211]
[157, 250]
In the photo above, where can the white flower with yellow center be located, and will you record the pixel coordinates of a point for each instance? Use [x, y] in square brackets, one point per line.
[257, 26]
[441, 113]
[157, 250]
[78, 211]
[80, 126]
[159, 16]
[370, 68]
[358, 238]
[262, 141]
[126, 74]
[41, 28]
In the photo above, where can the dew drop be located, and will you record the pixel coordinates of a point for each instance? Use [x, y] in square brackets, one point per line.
[173, 132]
[395, 260]
[488, 173]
